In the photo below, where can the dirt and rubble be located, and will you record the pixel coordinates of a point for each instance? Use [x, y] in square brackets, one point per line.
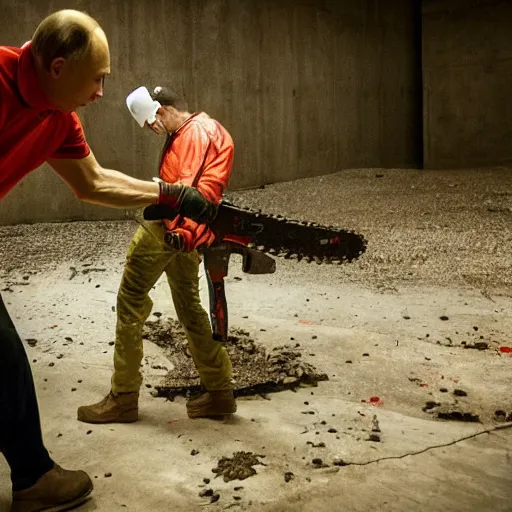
[409, 348]
[255, 370]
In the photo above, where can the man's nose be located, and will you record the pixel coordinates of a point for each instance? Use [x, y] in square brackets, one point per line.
[98, 94]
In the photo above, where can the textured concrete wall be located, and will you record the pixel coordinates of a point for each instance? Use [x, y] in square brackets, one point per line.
[467, 72]
[305, 87]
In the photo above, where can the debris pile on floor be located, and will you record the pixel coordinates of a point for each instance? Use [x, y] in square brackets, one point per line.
[254, 370]
[239, 467]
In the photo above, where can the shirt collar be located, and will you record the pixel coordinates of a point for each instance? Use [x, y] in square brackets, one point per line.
[28, 82]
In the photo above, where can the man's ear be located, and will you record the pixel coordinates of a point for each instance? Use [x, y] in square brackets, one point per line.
[56, 67]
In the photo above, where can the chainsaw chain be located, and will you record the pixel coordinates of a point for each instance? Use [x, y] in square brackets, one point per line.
[350, 245]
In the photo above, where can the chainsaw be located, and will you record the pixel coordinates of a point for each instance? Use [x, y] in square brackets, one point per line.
[258, 236]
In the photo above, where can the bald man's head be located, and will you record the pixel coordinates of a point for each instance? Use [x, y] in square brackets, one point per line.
[72, 54]
[69, 34]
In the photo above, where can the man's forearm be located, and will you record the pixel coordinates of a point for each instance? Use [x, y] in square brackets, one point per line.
[117, 190]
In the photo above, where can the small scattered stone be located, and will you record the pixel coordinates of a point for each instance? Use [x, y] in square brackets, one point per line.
[89, 432]
[479, 345]
[108, 475]
[306, 403]
[314, 337]
[206, 480]
[205, 493]
[459, 392]
[194, 452]
[366, 354]
[430, 405]
[443, 390]
[406, 317]
[443, 318]
[374, 437]
[348, 361]
[458, 416]
[111, 343]
[500, 414]
[288, 476]
[73, 389]
[215, 498]
[332, 431]
[32, 342]
[313, 445]
[51, 364]
[238, 488]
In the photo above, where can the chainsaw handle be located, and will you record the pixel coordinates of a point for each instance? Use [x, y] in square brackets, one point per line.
[218, 310]
[216, 261]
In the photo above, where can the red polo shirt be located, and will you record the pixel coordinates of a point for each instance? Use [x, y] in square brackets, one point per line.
[32, 130]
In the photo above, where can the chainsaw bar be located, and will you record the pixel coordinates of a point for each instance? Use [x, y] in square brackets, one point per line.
[279, 236]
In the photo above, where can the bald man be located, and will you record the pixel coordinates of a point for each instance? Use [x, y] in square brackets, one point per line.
[62, 68]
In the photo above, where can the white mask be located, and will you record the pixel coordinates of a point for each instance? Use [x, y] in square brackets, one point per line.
[141, 106]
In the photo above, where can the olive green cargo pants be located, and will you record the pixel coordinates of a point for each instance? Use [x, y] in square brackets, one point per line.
[148, 257]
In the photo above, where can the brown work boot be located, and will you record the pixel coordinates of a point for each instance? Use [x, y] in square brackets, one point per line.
[114, 408]
[212, 403]
[58, 489]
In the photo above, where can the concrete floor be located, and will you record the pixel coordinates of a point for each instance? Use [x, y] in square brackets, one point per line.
[421, 464]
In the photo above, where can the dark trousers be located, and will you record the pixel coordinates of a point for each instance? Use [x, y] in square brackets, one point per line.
[21, 441]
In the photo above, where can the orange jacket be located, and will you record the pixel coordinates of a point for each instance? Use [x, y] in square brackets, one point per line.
[200, 154]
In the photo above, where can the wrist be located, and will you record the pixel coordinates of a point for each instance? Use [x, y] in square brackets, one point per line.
[169, 194]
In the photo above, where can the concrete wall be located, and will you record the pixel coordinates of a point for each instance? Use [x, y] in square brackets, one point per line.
[467, 73]
[306, 87]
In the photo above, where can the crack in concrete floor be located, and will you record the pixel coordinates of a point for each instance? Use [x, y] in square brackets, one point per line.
[429, 448]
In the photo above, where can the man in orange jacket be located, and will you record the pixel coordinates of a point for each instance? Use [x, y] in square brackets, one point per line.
[198, 153]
